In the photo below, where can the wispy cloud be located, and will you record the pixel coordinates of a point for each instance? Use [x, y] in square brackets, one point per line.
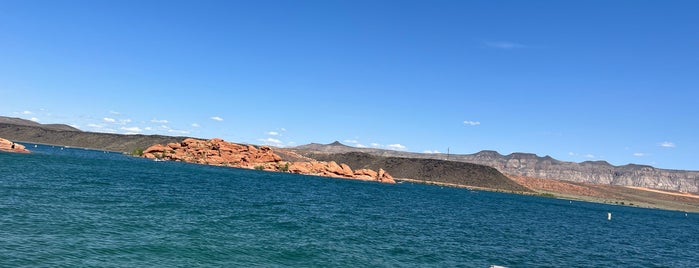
[109, 120]
[572, 154]
[132, 129]
[271, 141]
[282, 129]
[471, 123]
[375, 145]
[27, 112]
[640, 154]
[159, 121]
[506, 45]
[114, 112]
[273, 133]
[176, 131]
[431, 152]
[396, 146]
[34, 119]
[355, 143]
[667, 144]
[195, 125]
[95, 125]
[589, 156]
[216, 118]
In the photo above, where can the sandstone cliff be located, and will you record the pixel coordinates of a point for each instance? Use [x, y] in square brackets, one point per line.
[9, 146]
[221, 153]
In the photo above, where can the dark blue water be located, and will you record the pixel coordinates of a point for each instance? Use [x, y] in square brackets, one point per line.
[76, 208]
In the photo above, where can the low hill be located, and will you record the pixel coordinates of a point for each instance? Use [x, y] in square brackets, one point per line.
[93, 140]
[24, 122]
[428, 170]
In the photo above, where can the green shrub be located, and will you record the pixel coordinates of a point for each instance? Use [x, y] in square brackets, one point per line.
[259, 168]
[137, 152]
[284, 168]
[549, 195]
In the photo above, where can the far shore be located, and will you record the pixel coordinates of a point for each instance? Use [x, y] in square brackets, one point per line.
[671, 206]
[655, 204]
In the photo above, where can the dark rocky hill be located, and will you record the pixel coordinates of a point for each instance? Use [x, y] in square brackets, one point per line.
[82, 139]
[531, 165]
[427, 170]
[24, 122]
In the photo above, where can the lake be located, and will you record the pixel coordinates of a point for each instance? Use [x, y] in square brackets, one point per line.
[65, 207]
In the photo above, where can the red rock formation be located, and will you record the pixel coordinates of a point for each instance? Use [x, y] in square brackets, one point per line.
[221, 153]
[213, 152]
[9, 146]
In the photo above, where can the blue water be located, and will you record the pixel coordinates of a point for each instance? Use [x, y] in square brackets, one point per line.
[77, 208]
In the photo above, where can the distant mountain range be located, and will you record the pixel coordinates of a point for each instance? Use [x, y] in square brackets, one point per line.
[531, 165]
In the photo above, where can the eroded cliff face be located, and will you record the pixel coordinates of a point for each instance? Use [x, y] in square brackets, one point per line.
[598, 172]
[221, 153]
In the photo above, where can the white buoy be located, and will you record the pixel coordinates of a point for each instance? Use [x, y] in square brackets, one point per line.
[609, 216]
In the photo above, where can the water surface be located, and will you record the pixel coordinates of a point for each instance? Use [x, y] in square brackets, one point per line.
[76, 208]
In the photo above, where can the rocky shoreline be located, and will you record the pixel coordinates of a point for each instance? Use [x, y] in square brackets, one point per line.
[218, 152]
[9, 146]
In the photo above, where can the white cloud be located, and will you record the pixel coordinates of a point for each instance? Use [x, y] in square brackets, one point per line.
[572, 154]
[431, 152]
[124, 121]
[471, 123]
[132, 129]
[148, 128]
[351, 141]
[359, 145]
[178, 131]
[109, 120]
[282, 129]
[27, 112]
[640, 154]
[114, 112]
[503, 45]
[34, 119]
[590, 156]
[271, 141]
[164, 127]
[396, 146]
[95, 125]
[375, 145]
[667, 144]
[216, 118]
[195, 125]
[273, 133]
[161, 121]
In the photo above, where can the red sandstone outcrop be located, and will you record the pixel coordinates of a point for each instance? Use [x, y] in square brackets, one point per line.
[332, 169]
[9, 146]
[221, 153]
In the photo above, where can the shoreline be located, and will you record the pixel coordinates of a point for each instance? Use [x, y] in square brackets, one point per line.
[669, 206]
[570, 197]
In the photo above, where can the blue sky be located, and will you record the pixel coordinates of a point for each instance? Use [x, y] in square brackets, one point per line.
[576, 80]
